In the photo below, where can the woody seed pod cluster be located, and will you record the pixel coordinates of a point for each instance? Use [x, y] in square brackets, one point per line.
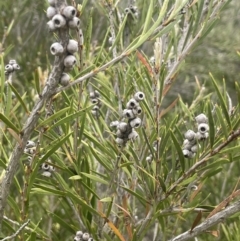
[65, 18]
[126, 130]
[132, 10]
[11, 67]
[46, 169]
[190, 144]
[95, 99]
[81, 236]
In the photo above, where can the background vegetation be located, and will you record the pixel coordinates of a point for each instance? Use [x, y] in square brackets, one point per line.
[114, 193]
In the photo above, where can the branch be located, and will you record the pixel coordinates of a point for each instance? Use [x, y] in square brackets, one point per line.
[94, 72]
[191, 170]
[17, 232]
[217, 218]
[48, 91]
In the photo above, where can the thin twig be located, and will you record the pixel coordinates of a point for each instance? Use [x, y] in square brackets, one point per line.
[209, 222]
[192, 169]
[17, 232]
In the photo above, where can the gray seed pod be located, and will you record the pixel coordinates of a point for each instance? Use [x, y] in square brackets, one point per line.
[45, 167]
[96, 108]
[200, 136]
[65, 79]
[135, 123]
[69, 12]
[85, 236]
[195, 148]
[16, 66]
[203, 128]
[139, 96]
[59, 21]
[120, 134]
[51, 26]
[52, 169]
[90, 239]
[187, 145]
[92, 95]
[131, 104]
[76, 238]
[114, 123]
[47, 174]
[56, 49]
[190, 135]
[95, 101]
[95, 113]
[51, 12]
[31, 150]
[70, 61]
[191, 154]
[133, 135]
[149, 158]
[29, 158]
[79, 234]
[97, 94]
[51, 3]
[128, 113]
[72, 46]
[133, 9]
[9, 68]
[110, 40]
[201, 119]
[74, 23]
[12, 61]
[30, 144]
[119, 141]
[127, 10]
[122, 126]
[137, 110]
[185, 152]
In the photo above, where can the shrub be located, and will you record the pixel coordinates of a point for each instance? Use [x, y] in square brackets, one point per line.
[99, 148]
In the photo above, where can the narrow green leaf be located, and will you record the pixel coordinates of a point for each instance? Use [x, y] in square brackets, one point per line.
[231, 149]
[69, 117]
[223, 123]
[221, 100]
[188, 180]
[53, 117]
[212, 172]
[36, 80]
[95, 178]
[62, 222]
[44, 192]
[88, 34]
[179, 150]
[198, 17]
[19, 98]
[76, 177]
[8, 123]
[211, 126]
[54, 147]
[138, 196]
[83, 203]
[148, 18]
[106, 199]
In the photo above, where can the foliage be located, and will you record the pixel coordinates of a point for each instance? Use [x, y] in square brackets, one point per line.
[113, 192]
